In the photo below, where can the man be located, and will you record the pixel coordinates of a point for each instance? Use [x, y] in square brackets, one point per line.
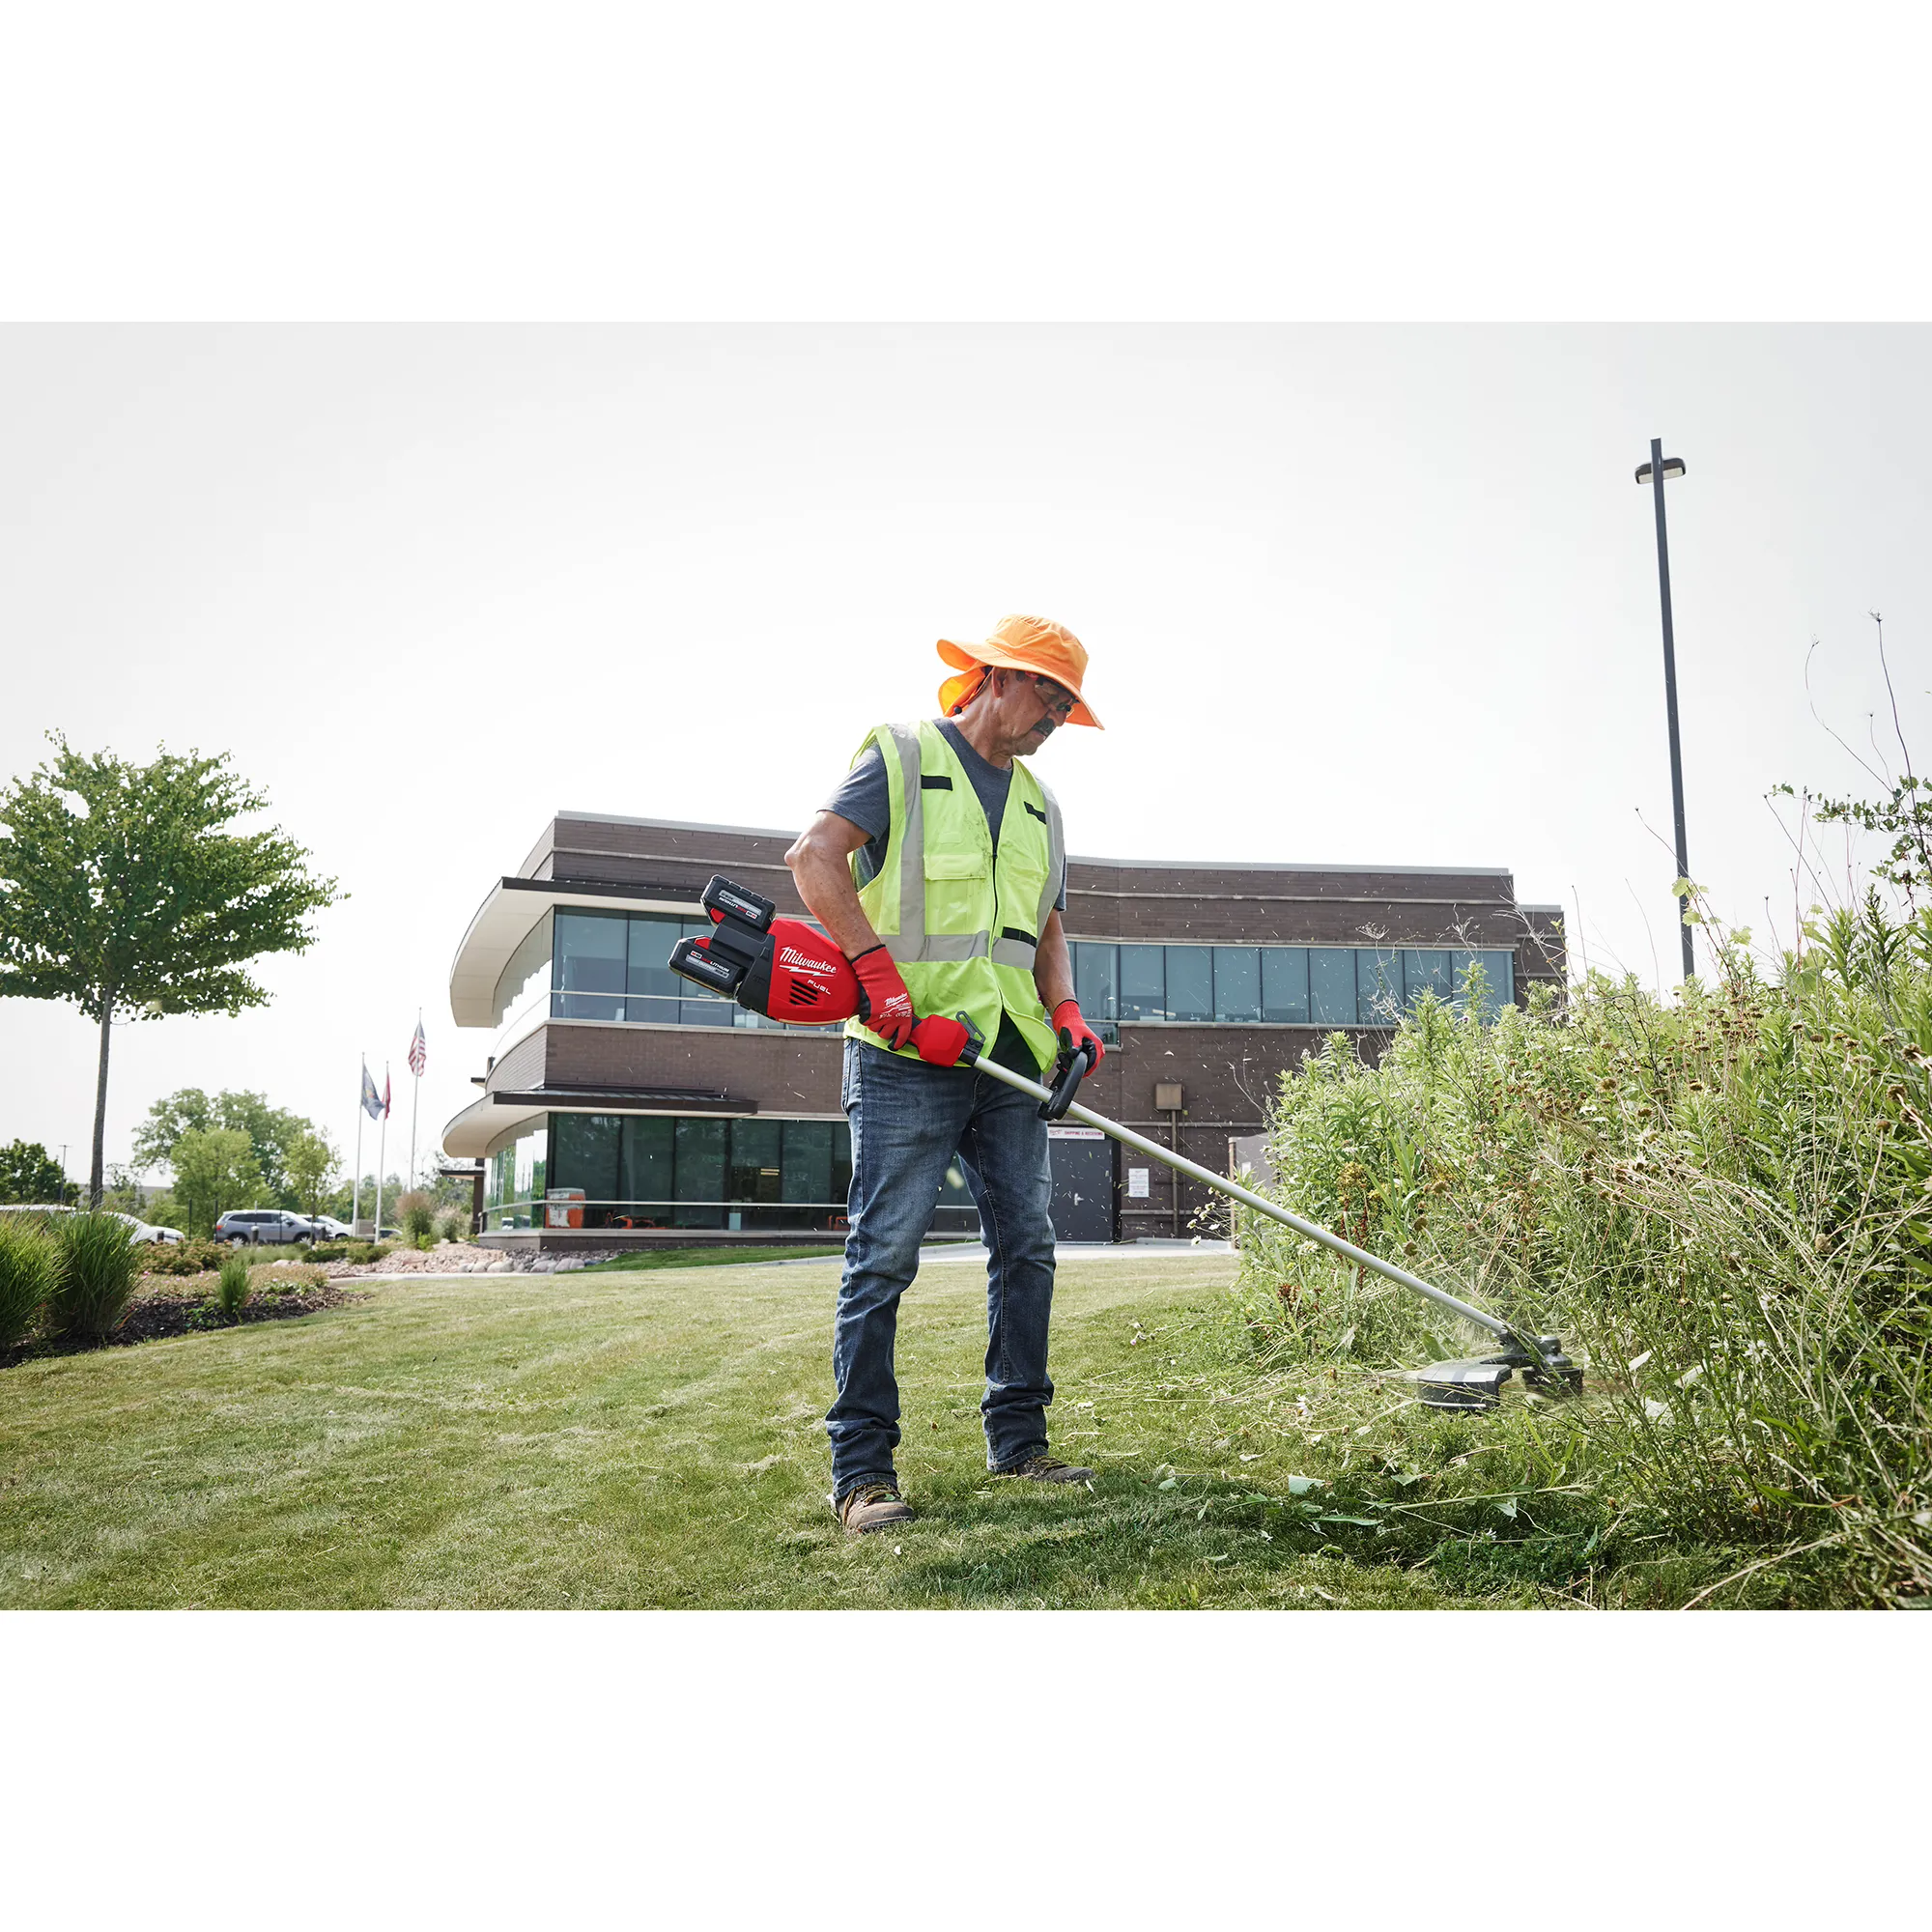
[939, 868]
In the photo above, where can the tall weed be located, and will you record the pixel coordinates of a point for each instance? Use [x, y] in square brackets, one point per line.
[1726, 1204]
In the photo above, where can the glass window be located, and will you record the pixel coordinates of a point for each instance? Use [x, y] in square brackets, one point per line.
[1096, 978]
[1331, 985]
[1238, 983]
[700, 1172]
[515, 1174]
[1377, 986]
[841, 1161]
[1501, 968]
[1190, 982]
[585, 1153]
[588, 969]
[652, 935]
[1425, 971]
[527, 970]
[646, 1176]
[1498, 977]
[808, 1161]
[954, 1190]
[757, 1147]
[1143, 983]
[641, 1012]
[1285, 984]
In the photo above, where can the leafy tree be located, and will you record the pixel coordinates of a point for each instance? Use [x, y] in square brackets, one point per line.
[122, 1189]
[123, 891]
[313, 1164]
[274, 1132]
[214, 1171]
[29, 1172]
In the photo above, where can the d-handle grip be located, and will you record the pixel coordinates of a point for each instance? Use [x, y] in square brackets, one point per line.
[1078, 1067]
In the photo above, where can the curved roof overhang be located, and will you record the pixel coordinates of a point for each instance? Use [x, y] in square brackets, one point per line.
[503, 921]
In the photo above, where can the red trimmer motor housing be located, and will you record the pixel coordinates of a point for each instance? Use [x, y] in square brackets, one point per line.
[781, 967]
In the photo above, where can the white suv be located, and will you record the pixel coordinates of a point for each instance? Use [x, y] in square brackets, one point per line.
[256, 1226]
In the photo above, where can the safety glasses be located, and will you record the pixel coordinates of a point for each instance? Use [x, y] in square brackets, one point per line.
[1057, 698]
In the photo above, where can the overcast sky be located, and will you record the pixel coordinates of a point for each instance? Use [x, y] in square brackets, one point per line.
[1356, 594]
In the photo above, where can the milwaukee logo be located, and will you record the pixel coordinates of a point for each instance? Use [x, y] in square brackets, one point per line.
[799, 964]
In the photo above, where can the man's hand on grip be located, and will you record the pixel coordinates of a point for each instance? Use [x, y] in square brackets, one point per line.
[884, 1004]
[1074, 1033]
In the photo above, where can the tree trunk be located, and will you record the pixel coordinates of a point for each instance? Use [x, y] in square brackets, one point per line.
[100, 1099]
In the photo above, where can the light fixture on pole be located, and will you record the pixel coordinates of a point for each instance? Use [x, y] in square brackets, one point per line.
[1655, 473]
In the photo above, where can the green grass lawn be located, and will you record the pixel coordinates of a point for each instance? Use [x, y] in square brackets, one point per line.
[655, 1439]
[698, 1258]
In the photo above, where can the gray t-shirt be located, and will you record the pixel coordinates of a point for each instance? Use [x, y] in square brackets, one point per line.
[863, 797]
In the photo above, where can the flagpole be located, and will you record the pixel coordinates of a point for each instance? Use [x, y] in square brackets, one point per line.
[416, 1100]
[355, 1195]
[382, 1142]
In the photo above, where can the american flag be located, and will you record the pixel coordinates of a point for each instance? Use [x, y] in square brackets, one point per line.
[418, 1051]
[385, 1092]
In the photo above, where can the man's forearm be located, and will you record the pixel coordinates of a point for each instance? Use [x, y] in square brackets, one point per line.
[823, 876]
[1053, 964]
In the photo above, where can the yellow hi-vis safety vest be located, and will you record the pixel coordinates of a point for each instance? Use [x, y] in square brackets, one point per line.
[960, 919]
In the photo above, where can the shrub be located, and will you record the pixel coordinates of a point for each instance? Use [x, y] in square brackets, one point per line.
[29, 1273]
[183, 1256]
[231, 1288]
[328, 1251]
[99, 1267]
[415, 1213]
[455, 1226]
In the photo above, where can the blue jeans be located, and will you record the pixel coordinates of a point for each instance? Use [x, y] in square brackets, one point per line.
[909, 1122]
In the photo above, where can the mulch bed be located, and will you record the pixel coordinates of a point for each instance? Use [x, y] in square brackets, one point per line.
[157, 1314]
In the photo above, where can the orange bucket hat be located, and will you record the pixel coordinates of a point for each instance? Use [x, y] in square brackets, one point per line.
[1020, 644]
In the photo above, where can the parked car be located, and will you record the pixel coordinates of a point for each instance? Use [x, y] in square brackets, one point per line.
[256, 1226]
[147, 1231]
[335, 1230]
[141, 1230]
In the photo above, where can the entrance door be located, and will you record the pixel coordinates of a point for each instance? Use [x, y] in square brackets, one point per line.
[1083, 1183]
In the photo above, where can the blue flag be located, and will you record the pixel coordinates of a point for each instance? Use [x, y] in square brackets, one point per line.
[372, 1102]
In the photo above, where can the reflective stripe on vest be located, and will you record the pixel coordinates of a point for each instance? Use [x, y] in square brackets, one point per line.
[948, 906]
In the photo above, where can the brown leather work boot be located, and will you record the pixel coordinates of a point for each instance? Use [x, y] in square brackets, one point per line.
[872, 1506]
[1043, 1468]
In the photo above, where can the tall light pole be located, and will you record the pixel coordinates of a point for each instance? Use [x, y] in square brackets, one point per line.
[1654, 473]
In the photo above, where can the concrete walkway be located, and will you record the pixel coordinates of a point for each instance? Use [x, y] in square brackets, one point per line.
[949, 1251]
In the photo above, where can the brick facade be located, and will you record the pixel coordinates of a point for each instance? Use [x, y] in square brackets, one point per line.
[1227, 1070]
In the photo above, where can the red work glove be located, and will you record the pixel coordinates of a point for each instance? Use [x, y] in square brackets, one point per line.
[884, 1004]
[1074, 1033]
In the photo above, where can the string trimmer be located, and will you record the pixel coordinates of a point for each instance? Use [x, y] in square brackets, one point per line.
[790, 970]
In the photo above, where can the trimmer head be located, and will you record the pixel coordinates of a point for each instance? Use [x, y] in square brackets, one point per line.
[1476, 1382]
